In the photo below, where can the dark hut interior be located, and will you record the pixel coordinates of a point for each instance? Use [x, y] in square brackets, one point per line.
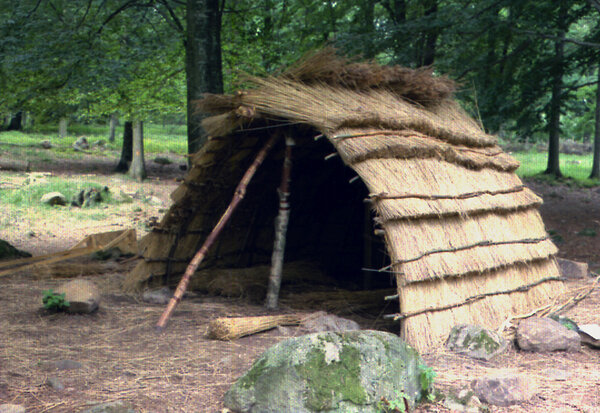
[330, 222]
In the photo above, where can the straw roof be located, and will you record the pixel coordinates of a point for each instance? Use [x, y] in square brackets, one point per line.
[464, 236]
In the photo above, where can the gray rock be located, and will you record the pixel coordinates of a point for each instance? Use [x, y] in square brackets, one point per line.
[67, 365]
[321, 321]
[590, 334]
[545, 334]
[476, 342]
[101, 143]
[556, 374]
[83, 296]
[161, 160]
[81, 144]
[11, 408]
[55, 383]
[572, 270]
[464, 401]
[161, 296]
[503, 389]
[54, 198]
[329, 372]
[46, 144]
[111, 407]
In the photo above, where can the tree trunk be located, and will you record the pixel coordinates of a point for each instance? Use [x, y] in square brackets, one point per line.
[553, 167]
[596, 164]
[203, 63]
[16, 122]
[127, 150]
[430, 38]
[137, 170]
[63, 123]
[112, 127]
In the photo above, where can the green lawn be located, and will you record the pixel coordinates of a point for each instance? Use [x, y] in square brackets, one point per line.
[575, 167]
[157, 138]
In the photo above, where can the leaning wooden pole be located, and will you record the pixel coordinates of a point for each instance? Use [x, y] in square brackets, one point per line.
[238, 195]
[281, 224]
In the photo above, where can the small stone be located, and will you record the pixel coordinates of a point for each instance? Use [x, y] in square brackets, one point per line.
[46, 144]
[67, 365]
[503, 389]
[475, 342]
[556, 374]
[53, 198]
[159, 297]
[545, 335]
[153, 200]
[590, 334]
[110, 407]
[572, 270]
[81, 144]
[11, 408]
[321, 321]
[55, 383]
[83, 296]
[161, 160]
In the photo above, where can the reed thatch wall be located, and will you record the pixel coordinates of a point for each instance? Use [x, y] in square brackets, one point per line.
[463, 234]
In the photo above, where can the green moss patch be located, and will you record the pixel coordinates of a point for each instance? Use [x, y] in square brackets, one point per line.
[330, 383]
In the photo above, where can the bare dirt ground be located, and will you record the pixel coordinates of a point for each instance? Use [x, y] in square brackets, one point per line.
[123, 358]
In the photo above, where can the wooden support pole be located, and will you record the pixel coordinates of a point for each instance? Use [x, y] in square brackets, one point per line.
[238, 195]
[281, 223]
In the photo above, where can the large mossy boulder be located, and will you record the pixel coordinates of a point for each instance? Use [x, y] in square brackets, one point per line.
[330, 372]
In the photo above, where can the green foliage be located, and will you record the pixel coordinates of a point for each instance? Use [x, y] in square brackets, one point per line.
[426, 377]
[588, 232]
[53, 301]
[397, 405]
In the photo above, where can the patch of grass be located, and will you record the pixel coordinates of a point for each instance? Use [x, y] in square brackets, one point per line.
[158, 138]
[29, 195]
[575, 168]
[587, 232]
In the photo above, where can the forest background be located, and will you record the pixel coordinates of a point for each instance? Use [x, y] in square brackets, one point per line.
[527, 70]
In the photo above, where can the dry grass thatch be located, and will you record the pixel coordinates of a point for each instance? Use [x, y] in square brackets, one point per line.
[457, 221]
[326, 67]
[230, 328]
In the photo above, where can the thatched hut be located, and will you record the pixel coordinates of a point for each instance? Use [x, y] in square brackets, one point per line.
[459, 231]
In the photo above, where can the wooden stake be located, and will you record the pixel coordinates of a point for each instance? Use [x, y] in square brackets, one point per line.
[239, 194]
[281, 223]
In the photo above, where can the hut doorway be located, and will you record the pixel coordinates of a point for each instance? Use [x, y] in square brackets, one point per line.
[330, 223]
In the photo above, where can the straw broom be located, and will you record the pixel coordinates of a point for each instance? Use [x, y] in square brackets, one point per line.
[230, 328]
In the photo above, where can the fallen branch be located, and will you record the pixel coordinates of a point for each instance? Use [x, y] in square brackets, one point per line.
[238, 195]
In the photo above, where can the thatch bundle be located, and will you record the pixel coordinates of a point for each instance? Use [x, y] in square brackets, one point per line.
[230, 328]
[463, 236]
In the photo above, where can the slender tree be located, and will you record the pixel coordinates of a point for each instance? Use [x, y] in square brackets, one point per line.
[202, 62]
[596, 163]
[553, 167]
[127, 148]
[137, 170]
